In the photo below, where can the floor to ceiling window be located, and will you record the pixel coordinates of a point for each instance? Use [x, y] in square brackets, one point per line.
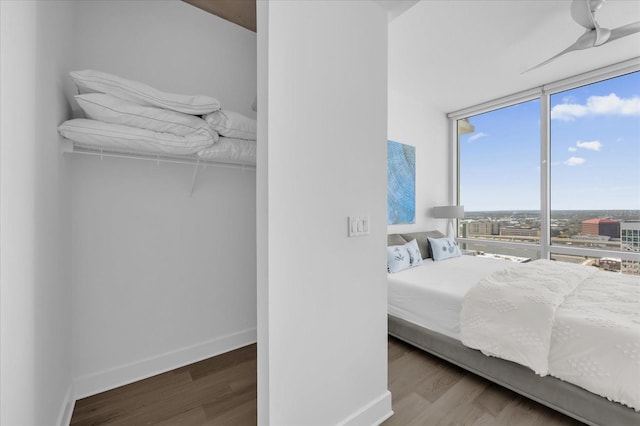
[499, 171]
[595, 169]
[573, 195]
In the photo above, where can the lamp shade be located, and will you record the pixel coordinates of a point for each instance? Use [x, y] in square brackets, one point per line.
[448, 212]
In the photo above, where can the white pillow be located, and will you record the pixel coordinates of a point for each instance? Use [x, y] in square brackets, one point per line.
[228, 150]
[95, 81]
[116, 137]
[107, 108]
[232, 124]
[444, 248]
[414, 252]
[398, 258]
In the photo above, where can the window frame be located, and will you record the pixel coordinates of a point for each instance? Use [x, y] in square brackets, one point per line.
[544, 92]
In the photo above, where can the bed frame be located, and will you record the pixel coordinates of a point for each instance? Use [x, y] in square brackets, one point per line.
[561, 396]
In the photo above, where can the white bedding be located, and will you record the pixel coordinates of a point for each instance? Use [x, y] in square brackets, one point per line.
[607, 361]
[574, 322]
[94, 134]
[115, 138]
[431, 295]
[509, 314]
[231, 150]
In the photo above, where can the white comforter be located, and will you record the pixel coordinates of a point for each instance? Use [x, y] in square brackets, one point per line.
[571, 321]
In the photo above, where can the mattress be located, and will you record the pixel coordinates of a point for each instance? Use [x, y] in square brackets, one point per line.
[431, 295]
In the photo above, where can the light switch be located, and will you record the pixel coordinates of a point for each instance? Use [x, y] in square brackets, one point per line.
[358, 226]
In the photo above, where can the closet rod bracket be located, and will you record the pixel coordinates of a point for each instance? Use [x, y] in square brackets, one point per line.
[195, 175]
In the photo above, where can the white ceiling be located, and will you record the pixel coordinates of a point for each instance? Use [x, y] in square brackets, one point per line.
[456, 54]
[396, 7]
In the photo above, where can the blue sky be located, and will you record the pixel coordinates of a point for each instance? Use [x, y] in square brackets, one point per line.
[595, 152]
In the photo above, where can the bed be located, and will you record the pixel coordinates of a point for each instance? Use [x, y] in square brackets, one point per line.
[425, 306]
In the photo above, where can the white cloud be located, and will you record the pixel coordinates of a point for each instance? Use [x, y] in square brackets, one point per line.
[477, 136]
[572, 149]
[568, 112]
[612, 104]
[575, 161]
[592, 146]
[597, 105]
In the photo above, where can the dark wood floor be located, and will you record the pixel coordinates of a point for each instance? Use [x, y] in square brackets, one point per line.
[428, 391]
[217, 391]
[222, 391]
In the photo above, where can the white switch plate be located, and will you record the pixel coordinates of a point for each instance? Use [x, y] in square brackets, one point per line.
[357, 226]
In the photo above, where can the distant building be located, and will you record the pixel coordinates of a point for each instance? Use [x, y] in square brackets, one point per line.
[630, 235]
[483, 228]
[519, 231]
[630, 241]
[608, 227]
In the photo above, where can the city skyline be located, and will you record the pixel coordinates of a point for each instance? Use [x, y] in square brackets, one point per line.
[537, 211]
[594, 152]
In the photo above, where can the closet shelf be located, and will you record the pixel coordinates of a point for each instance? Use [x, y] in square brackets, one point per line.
[68, 147]
[71, 148]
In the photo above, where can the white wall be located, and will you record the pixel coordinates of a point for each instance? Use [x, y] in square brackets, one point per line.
[322, 346]
[169, 45]
[161, 278]
[413, 122]
[35, 299]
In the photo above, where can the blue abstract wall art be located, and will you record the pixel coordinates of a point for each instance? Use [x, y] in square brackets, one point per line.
[401, 183]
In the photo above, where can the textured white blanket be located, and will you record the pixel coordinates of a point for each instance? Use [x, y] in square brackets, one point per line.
[509, 314]
[595, 342]
[571, 321]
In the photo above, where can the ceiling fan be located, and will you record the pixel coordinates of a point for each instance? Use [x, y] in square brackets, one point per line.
[583, 12]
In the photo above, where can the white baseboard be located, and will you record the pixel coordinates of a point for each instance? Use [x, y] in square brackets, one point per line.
[64, 418]
[374, 413]
[95, 383]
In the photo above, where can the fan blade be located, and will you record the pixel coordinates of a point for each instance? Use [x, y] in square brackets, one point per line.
[624, 31]
[585, 41]
[581, 12]
[567, 50]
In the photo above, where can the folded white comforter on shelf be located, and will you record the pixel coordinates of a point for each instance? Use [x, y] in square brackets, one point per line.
[109, 109]
[88, 81]
[571, 321]
[99, 135]
[126, 116]
[117, 124]
[232, 151]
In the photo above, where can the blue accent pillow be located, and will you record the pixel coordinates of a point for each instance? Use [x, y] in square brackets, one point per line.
[414, 252]
[444, 248]
[398, 258]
